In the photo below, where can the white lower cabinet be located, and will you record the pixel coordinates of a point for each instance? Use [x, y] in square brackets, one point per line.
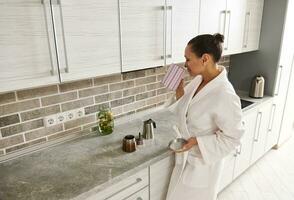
[140, 195]
[228, 171]
[257, 123]
[273, 130]
[243, 154]
[126, 188]
[260, 132]
[160, 174]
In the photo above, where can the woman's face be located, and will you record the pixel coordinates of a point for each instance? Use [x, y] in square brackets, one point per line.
[194, 64]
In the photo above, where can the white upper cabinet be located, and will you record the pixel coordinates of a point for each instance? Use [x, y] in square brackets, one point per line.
[88, 39]
[27, 55]
[184, 21]
[235, 17]
[252, 25]
[226, 17]
[212, 16]
[143, 33]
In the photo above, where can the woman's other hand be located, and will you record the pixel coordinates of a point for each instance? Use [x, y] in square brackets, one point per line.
[191, 142]
[180, 90]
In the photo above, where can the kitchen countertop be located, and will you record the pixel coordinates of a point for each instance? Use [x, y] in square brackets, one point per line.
[75, 167]
[89, 163]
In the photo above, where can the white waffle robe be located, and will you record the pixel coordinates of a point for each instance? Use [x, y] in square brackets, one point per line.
[214, 117]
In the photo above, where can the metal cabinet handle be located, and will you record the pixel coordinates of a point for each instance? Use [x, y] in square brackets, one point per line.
[258, 131]
[54, 4]
[138, 180]
[228, 12]
[246, 30]
[43, 2]
[171, 32]
[223, 26]
[279, 81]
[248, 27]
[272, 117]
[165, 9]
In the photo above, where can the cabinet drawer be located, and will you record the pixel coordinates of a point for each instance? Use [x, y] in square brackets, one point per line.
[124, 188]
[160, 174]
[140, 195]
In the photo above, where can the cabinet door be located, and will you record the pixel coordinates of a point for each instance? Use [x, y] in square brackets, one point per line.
[235, 18]
[27, 54]
[252, 25]
[142, 29]
[273, 133]
[228, 171]
[283, 77]
[140, 195]
[212, 17]
[261, 129]
[87, 38]
[123, 189]
[160, 173]
[244, 150]
[287, 127]
[185, 23]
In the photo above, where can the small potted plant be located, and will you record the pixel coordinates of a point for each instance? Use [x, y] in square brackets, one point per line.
[105, 121]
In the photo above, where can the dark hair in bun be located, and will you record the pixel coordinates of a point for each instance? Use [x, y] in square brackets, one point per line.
[207, 43]
[219, 38]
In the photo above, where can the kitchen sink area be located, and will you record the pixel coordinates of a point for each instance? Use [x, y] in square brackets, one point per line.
[245, 103]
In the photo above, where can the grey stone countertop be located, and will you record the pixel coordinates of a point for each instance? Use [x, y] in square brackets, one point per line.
[75, 167]
[87, 163]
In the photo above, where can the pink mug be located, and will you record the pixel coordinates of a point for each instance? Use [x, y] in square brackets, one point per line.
[173, 77]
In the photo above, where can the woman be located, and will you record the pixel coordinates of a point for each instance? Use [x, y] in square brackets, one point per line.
[209, 117]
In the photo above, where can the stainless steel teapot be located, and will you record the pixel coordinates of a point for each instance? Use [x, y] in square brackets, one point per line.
[257, 87]
[148, 129]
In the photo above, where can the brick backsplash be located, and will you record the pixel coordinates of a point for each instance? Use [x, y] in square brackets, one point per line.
[22, 112]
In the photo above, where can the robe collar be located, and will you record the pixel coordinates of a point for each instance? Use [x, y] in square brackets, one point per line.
[209, 86]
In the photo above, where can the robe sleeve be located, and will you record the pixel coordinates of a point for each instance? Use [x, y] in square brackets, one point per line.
[228, 119]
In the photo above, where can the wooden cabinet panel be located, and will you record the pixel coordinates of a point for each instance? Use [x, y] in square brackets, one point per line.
[87, 37]
[184, 24]
[252, 25]
[261, 129]
[142, 29]
[140, 195]
[243, 154]
[27, 54]
[235, 18]
[228, 171]
[124, 188]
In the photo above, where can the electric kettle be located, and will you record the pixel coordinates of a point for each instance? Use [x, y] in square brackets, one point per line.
[257, 87]
[148, 129]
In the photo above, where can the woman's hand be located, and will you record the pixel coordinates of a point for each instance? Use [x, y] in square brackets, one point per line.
[180, 90]
[191, 142]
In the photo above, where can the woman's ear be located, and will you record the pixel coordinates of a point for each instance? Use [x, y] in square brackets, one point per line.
[205, 58]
